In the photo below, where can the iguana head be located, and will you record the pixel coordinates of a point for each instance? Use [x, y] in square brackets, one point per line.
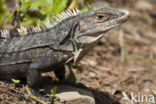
[91, 27]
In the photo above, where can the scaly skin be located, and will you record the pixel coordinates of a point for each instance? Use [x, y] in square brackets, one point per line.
[65, 42]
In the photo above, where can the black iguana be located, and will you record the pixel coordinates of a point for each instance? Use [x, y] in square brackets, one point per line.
[27, 52]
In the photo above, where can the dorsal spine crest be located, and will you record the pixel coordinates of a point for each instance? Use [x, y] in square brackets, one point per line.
[23, 31]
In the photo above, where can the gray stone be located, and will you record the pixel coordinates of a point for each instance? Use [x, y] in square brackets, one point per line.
[72, 95]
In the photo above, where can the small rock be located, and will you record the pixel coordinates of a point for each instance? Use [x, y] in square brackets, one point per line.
[72, 95]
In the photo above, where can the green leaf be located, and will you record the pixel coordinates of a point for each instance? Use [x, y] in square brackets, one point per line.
[84, 10]
[15, 81]
[53, 91]
[19, 8]
[3, 12]
[28, 5]
[24, 1]
[45, 10]
[77, 66]
[27, 21]
[37, 3]
[58, 6]
[49, 1]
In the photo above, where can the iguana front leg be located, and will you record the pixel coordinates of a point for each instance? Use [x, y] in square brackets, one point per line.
[43, 64]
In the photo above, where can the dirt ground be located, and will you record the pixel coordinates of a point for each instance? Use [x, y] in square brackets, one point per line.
[123, 62]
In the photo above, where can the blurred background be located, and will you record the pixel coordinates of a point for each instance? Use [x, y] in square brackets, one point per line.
[123, 61]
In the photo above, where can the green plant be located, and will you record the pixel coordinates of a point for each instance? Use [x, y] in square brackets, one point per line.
[77, 66]
[28, 12]
[4, 13]
[53, 93]
[32, 12]
[84, 10]
[15, 81]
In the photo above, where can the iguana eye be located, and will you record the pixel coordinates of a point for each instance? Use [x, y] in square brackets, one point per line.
[100, 17]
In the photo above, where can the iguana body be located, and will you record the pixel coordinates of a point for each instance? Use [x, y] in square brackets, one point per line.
[70, 37]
